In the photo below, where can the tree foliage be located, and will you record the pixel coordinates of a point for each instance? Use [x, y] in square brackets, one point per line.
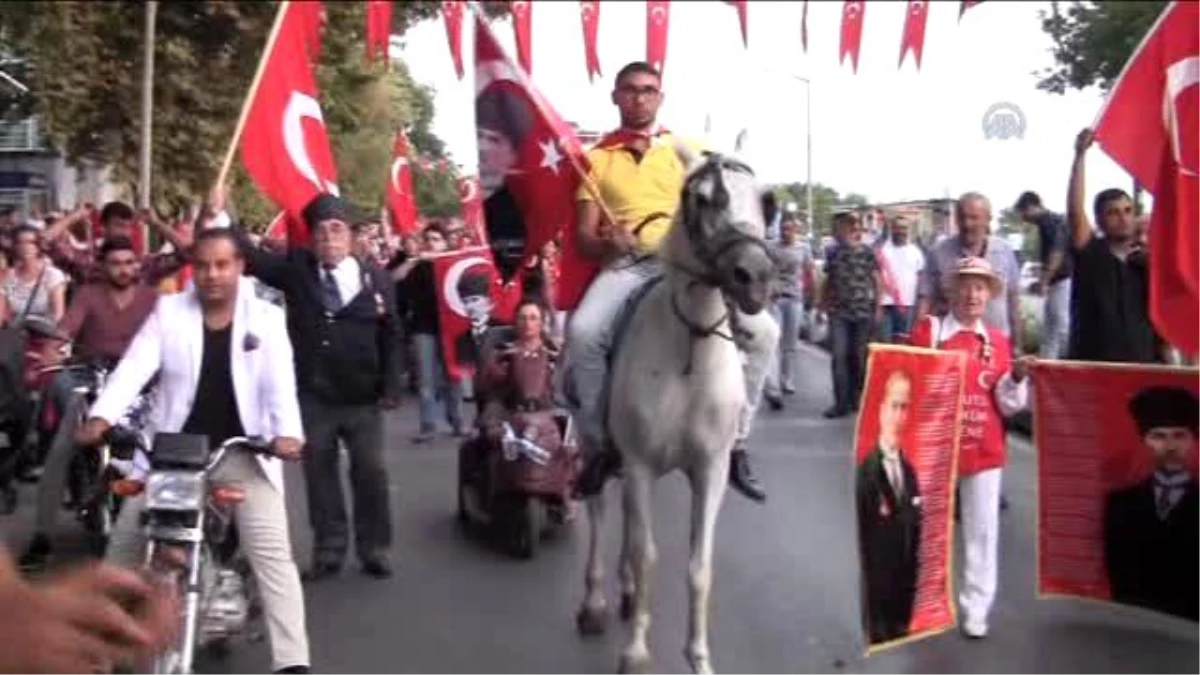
[83, 61]
[1093, 40]
[826, 202]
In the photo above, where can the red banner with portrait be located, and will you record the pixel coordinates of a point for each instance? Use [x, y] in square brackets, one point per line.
[906, 448]
[471, 297]
[1117, 491]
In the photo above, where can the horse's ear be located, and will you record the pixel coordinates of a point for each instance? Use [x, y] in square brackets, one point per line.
[688, 157]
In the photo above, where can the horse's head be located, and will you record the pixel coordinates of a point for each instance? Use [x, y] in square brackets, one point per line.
[721, 218]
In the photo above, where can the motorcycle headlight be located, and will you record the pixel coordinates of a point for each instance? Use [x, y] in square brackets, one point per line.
[175, 491]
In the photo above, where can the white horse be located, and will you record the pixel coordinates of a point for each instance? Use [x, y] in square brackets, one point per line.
[679, 390]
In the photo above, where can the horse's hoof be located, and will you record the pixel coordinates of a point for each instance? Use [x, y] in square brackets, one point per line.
[590, 621]
[700, 664]
[634, 664]
[626, 611]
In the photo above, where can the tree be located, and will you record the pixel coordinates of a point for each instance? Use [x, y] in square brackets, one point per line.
[1093, 40]
[83, 63]
[826, 201]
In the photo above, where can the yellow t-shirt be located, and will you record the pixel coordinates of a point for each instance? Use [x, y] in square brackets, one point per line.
[634, 190]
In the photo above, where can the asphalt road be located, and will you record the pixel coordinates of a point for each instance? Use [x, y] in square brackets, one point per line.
[785, 580]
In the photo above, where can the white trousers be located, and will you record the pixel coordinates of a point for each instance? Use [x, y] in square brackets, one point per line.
[980, 500]
[262, 524]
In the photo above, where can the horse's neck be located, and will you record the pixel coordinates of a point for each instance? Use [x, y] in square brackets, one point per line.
[700, 304]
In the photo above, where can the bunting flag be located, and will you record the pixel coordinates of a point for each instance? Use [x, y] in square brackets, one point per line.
[285, 146]
[966, 4]
[401, 198]
[658, 17]
[804, 26]
[1149, 126]
[740, 6]
[522, 13]
[914, 31]
[379, 29]
[589, 13]
[452, 12]
[852, 27]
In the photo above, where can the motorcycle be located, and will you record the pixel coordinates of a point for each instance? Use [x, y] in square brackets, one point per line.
[192, 545]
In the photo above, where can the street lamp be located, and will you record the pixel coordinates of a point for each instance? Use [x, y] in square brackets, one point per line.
[808, 180]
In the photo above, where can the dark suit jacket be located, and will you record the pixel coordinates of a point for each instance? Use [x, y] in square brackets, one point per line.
[347, 358]
[1153, 563]
[466, 350]
[889, 532]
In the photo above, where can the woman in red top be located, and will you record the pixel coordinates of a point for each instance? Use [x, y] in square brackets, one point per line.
[996, 386]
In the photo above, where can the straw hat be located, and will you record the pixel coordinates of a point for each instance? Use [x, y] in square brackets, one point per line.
[980, 268]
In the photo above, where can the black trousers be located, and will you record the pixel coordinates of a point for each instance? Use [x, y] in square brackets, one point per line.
[848, 343]
[360, 428]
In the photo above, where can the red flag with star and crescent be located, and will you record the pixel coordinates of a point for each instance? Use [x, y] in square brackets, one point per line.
[1149, 125]
[658, 18]
[589, 13]
[914, 31]
[852, 27]
[528, 188]
[285, 146]
[379, 29]
[522, 13]
[966, 4]
[471, 202]
[452, 13]
[401, 199]
[740, 6]
[467, 281]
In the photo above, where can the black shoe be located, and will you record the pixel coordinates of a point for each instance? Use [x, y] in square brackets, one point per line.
[299, 670]
[775, 402]
[320, 571]
[741, 477]
[835, 413]
[597, 469]
[377, 566]
[36, 554]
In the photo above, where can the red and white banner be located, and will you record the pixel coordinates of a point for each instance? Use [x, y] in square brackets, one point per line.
[285, 146]
[522, 15]
[379, 29]
[658, 21]
[589, 13]
[906, 448]
[452, 12]
[914, 31]
[1150, 125]
[470, 297]
[852, 27]
[401, 198]
[1117, 491]
[471, 202]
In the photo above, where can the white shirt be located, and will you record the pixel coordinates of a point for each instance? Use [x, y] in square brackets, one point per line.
[348, 276]
[902, 266]
[893, 468]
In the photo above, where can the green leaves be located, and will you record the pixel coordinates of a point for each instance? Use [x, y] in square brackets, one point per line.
[1092, 41]
[826, 201]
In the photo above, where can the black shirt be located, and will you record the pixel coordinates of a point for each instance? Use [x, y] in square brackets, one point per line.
[1053, 236]
[1110, 319]
[505, 231]
[214, 411]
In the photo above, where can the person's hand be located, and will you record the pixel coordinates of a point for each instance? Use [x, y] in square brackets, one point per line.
[91, 433]
[88, 620]
[217, 198]
[1022, 367]
[389, 402]
[287, 449]
[1084, 141]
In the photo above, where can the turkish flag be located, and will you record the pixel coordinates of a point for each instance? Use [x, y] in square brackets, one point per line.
[914, 31]
[740, 6]
[852, 27]
[401, 199]
[311, 15]
[658, 16]
[452, 11]
[522, 12]
[379, 28]
[589, 12]
[470, 297]
[804, 27]
[1149, 125]
[285, 147]
[966, 4]
[471, 201]
[530, 160]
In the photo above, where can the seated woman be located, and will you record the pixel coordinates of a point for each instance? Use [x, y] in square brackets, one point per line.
[516, 383]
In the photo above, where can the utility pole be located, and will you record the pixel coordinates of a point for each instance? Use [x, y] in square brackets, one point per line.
[147, 104]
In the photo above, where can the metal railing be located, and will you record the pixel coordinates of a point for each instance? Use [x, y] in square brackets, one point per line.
[20, 136]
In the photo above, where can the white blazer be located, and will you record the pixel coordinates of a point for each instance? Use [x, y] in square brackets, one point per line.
[171, 343]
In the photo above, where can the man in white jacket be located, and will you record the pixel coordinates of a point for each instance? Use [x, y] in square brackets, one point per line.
[225, 369]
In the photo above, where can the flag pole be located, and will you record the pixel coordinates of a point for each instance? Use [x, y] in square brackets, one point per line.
[254, 84]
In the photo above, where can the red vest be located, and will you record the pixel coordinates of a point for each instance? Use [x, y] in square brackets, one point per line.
[981, 441]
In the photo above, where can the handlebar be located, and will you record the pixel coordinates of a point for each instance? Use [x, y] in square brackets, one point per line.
[256, 445]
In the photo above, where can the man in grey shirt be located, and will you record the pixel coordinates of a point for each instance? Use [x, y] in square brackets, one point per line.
[795, 266]
[974, 216]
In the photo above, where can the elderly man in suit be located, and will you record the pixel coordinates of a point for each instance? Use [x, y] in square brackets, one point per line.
[1151, 529]
[225, 369]
[889, 519]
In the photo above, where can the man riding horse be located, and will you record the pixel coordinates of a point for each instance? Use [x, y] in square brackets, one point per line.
[639, 177]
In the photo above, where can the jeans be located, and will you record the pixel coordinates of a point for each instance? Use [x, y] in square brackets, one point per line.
[789, 314]
[848, 342]
[590, 336]
[1056, 326]
[433, 383]
[897, 320]
[262, 522]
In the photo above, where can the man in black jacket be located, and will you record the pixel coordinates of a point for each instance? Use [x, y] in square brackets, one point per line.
[342, 322]
[1151, 528]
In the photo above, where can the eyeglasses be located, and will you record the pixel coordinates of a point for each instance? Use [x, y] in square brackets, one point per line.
[634, 92]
